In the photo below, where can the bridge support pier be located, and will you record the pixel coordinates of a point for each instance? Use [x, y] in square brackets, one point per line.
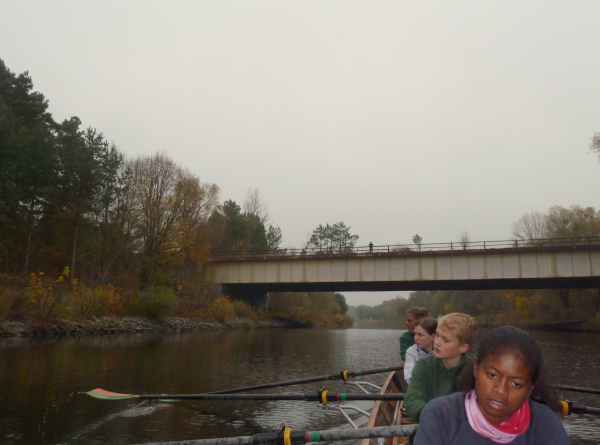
[257, 299]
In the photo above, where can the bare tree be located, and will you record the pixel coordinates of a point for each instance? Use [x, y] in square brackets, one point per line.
[464, 239]
[530, 226]
[253, 205]
[595, 144]
[171, 203]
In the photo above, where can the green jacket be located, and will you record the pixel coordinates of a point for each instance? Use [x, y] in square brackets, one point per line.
[406, 341]
[430, 379]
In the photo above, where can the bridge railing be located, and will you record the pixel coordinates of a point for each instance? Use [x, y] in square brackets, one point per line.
[452, 246]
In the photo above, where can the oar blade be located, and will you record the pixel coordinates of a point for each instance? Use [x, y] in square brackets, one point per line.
[100, 393]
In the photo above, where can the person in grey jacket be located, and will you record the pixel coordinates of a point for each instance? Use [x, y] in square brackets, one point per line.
[424, 335]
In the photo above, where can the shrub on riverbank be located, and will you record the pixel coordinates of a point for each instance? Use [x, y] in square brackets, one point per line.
[48, 298]
[342, 321]
[309, 308]
[222, 310]
[244, 310]
[43, 299]
[12, 296]
[246, 324]
[156, 302]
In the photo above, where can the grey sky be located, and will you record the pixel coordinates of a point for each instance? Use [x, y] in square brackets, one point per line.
[395, 117]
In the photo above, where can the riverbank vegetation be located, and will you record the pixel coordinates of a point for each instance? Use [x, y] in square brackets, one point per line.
[532, 308]
[41, 298]
[86, 231]
[313, 308]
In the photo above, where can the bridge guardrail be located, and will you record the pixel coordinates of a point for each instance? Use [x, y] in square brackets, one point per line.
[414, 248]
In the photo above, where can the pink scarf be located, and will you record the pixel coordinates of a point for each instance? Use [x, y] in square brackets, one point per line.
[502, 433]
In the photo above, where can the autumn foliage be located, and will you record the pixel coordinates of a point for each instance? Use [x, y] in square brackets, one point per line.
[86, 231]
[495, 307]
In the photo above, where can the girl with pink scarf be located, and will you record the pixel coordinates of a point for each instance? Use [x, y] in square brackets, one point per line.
[505, 399]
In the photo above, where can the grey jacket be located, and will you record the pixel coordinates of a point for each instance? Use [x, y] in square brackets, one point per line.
[444, 422]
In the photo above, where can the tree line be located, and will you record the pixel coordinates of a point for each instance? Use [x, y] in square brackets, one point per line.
[71, 198]
[525, 306]
[85, 230]
[494, 307]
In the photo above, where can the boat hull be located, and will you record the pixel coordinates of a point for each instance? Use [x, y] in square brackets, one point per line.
[390, 412]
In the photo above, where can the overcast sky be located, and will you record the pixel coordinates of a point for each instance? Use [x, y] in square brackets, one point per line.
[396, 117]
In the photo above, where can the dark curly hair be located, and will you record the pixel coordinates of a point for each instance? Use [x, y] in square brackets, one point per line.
[514, 340]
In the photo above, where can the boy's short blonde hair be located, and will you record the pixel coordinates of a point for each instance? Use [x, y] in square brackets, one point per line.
[461, 325]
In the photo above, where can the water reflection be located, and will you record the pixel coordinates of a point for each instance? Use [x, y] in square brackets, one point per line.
[41, 381]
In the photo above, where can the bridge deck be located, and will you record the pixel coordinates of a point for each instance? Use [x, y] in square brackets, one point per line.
[562, 266]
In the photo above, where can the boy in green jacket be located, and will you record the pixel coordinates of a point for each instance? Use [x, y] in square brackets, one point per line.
[435, 376]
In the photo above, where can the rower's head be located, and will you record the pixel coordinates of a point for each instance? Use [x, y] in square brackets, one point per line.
[414, 314]
[425, 333]
[459, 325]
[454, 335]
[508, 369]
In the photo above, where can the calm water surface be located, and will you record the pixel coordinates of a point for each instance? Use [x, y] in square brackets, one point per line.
[41, 381]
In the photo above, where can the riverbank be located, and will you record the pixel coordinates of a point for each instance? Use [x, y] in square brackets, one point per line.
[131, 325]
[535, 325]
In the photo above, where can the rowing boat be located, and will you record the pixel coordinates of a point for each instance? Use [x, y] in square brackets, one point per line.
[390, 412]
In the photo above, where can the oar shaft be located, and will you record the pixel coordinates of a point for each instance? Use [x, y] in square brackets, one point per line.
[362, 433]
[339, 397]
[578, 389]
[302, 437]
[578, 409]
[240, 440]
[320, 378]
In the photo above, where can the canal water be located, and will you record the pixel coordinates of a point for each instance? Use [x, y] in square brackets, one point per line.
[42, 380]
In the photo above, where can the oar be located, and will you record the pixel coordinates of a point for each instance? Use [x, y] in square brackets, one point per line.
[573, 408]
[320, 396]
[343, 375]
[286, 436]
[578, 389]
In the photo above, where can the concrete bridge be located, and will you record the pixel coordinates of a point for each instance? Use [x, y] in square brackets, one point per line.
[539, 264]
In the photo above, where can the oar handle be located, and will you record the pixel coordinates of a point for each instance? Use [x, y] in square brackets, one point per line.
[580, 409]
[573, 408]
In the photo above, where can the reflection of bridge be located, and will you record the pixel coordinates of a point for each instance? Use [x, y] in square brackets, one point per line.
[557, 263]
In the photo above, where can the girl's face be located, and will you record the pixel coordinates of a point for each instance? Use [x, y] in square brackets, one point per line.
[502, 384]
[423, 339]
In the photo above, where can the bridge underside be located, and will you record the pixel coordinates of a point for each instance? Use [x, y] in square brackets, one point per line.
[382, 286]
